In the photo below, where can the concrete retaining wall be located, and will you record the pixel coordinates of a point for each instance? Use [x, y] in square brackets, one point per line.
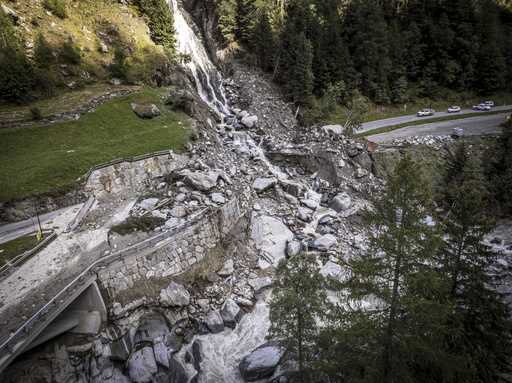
[171, 256]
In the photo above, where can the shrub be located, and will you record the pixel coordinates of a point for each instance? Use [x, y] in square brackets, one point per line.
[17, 79]
[57, 7]
[43, 53]
[70, 53]
[36, 113]
[149, 66]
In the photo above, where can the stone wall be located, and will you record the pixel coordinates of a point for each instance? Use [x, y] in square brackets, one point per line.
[132, 176]
[173, 254]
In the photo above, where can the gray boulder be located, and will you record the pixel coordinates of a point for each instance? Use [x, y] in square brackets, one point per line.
[259, 284]
[293, 248]
[262, 184]
[249, 121]
[147, 111]
[332, 270]
[174, 295]
[227, 269]
[218, 198]
[341, 202]
[325, 242]
[180, 99]
[270, 236]
[334, 130]
[203, 181]
[261, 363]
[230, 313]
[214, 322]
[142, 365]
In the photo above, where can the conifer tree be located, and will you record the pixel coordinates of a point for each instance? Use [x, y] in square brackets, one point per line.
[263, 42]
[245, 20]
[298, 303]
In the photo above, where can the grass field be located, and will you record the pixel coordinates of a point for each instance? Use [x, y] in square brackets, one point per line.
[42, 159]
[9, 250]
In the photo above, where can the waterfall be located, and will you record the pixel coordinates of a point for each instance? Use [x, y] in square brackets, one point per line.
[207, 79]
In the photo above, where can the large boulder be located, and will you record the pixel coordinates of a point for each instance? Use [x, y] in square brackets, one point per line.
[270, 236]
[341, 202]
[181, 99]
[261, 363]
[203, 181]
[325, 242]
[334, 130]
[214, 322]
[332, 270]
[249, 121]
[145, 110]
[262, 184]
[174, 295]
[153, 327]
[230, 313]
[142, 365]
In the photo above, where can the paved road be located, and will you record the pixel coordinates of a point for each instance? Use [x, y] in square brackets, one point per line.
[405, 119]
[15, 230]
[481, 125]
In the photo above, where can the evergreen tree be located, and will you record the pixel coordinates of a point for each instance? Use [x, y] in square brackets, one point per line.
[226, 12]
[263, 42]
[392, 326]
[43, 53]
[244, 20]
[481, 329]
[161, 22]
[298, 303]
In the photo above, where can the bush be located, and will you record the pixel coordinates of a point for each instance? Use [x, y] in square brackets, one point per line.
[17, 79]
[36, 113]
[149, 66]
[43, 53]
[70, 53]
[57, 7]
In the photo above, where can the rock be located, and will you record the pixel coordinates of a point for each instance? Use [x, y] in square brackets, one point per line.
[361, 173]
[230, 313]
[152, 327]
[335, 130]
[325, 242]
[142, 365]
[218, 198]
[227, 269]
[259, 284]
[214, 322]
[115, 81]
[262, 184]
[148, 203]
[270, 236]
[103, 47]
[293, 188]
[341, 202]
[203, 181]
[174, 295]
[304, 214]
[178, 212]
[177, 373]
[145, 110]
[293, 248]
[249, 121]
[261, 363]
[181, 99]
[332, 270]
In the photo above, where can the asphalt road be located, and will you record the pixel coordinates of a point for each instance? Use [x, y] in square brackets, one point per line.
[473, 126]
[405, 119]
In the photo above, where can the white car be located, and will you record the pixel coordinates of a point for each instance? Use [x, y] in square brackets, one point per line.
[482, 107]
[454, 109]
[425, 112]
[489, 103]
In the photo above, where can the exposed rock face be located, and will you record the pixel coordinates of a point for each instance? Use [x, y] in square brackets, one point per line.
[214, 322]
[261, 363]
[147, 111]
[174, 295]
[142, 365]
[181, 99]
[270, 236]
[203, 181]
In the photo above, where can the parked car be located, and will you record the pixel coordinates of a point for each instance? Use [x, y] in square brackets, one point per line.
[425, 112]
[481, 107]
[454, 109]
[457, 133]
[489, 103]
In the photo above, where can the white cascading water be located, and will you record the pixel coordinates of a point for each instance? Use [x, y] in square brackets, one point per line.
[207, 78]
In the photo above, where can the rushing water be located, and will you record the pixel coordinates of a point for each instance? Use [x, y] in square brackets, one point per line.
[208, 80]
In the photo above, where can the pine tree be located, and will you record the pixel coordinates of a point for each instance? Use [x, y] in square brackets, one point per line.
[161, 22]
[481, 328]
[392, 326]
[300, 83]
[245, 20]
[43, 53]
[298, 303]
[263, 42]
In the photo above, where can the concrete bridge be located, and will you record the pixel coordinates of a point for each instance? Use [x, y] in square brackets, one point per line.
[78, 310]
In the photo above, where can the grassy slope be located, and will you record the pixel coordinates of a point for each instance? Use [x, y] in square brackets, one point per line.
[9, 250]
[38, 160]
